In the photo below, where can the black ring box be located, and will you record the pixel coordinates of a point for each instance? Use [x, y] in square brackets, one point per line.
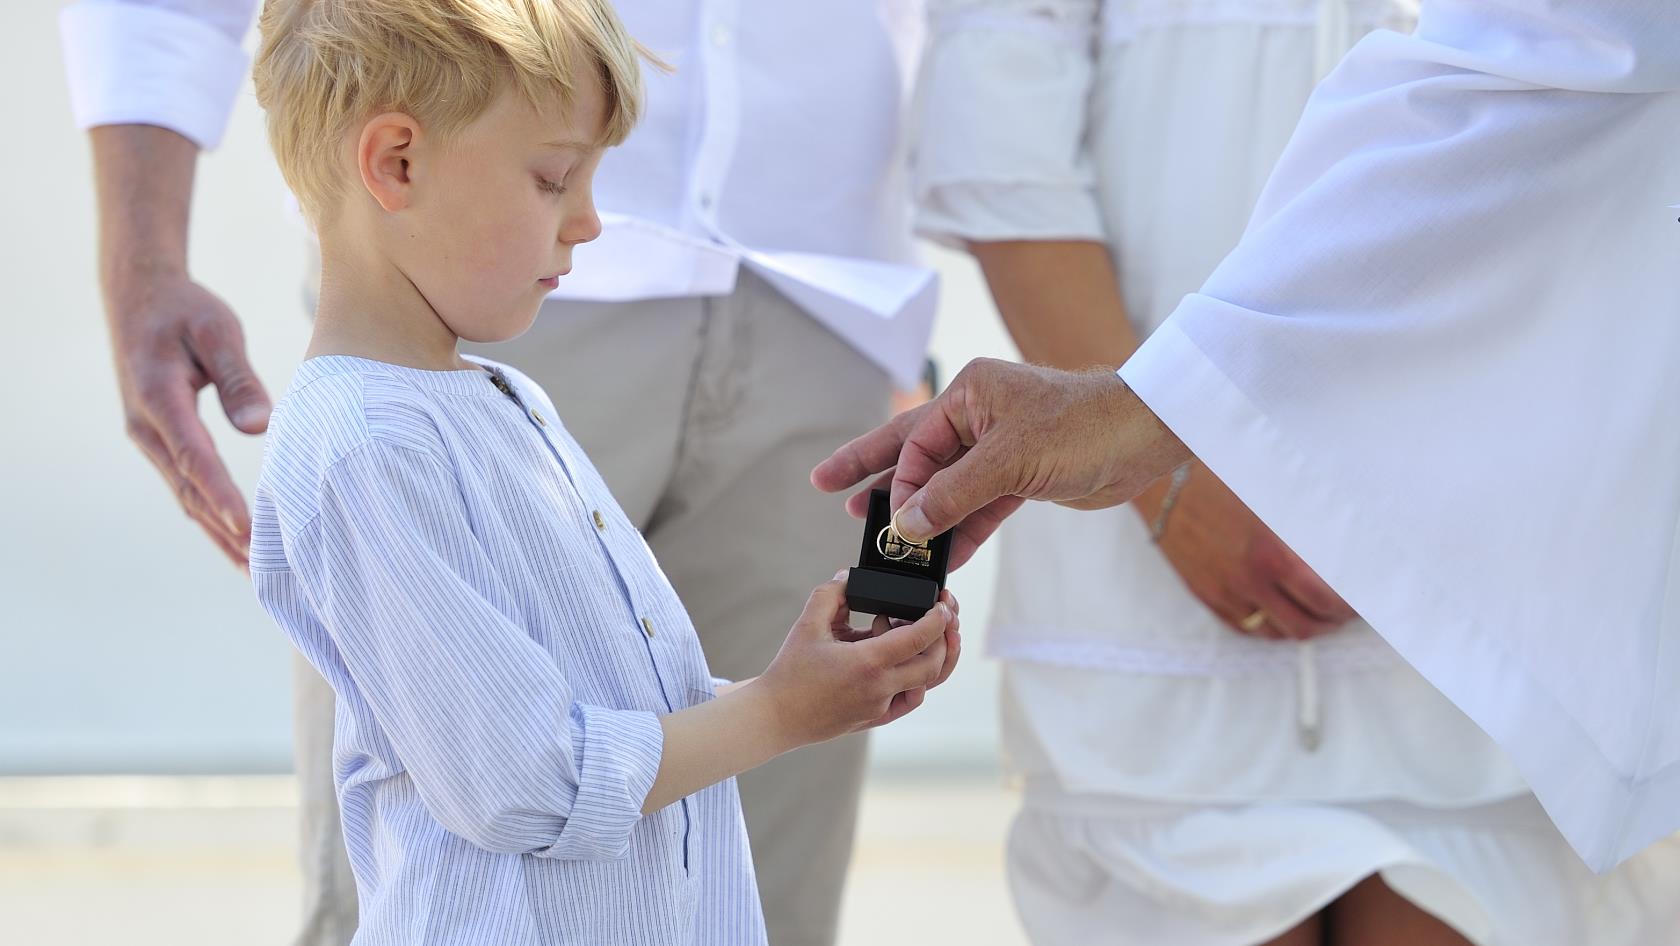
[906, 588]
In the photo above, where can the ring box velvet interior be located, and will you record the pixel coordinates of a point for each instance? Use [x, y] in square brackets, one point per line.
[895, 578]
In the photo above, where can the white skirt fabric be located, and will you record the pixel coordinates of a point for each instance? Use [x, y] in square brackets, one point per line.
[1499, 874]
[1185, 810]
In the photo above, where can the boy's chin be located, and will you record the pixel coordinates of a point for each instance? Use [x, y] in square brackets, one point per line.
[504, 330]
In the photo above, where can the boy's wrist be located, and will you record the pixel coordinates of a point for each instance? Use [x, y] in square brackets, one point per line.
[771, 708]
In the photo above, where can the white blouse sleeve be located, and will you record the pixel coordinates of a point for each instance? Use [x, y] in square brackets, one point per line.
[177, 64]
[1443, 364]
[1000, 121]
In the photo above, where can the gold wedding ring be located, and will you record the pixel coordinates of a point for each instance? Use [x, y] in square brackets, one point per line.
[1255, 621]
[881, 544]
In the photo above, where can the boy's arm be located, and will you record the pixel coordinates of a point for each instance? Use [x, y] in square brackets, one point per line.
[826, 680]
[485, 723]
[499, 749]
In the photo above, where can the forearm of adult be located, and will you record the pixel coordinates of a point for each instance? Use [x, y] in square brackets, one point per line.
[1060, 301]
[144, 178]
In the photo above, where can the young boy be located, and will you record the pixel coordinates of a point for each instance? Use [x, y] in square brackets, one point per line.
[529, 747]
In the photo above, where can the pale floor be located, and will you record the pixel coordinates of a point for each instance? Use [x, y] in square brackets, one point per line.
[183, 862]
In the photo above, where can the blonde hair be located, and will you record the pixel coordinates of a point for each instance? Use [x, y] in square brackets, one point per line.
[326, 65]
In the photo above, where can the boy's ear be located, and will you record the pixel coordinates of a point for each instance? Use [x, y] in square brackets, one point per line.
[385, 158]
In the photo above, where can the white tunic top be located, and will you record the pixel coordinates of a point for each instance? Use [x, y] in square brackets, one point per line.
[1469, 245]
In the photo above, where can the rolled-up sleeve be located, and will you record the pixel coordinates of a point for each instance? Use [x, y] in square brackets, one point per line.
[176, 64]
[1001, 150]
[482, 718]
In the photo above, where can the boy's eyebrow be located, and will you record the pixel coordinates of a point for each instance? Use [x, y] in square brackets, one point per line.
[568, 143]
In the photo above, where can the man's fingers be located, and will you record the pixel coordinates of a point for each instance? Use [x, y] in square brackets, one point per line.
[937, 437]
[866, 455]
[857, 504]
[218, 345]
[192, 503]
[174, 411]
[950, 494]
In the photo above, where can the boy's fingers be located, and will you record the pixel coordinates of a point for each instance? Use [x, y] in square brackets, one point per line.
[900, 644]
[904, 702]
[951, 601]
[920, 671]
[953, 650]
[827, 601]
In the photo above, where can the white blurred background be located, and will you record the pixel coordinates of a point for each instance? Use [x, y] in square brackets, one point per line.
[144, 697]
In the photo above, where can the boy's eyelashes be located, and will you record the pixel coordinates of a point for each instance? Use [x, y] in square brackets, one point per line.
[548, 186]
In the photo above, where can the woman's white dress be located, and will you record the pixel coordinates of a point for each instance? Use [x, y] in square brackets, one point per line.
[1170, 792]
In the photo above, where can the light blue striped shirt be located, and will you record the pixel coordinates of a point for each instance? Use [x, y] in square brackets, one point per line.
[502, 643]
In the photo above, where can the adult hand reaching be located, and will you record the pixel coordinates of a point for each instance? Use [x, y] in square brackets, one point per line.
[1002, 433]
[170, 336]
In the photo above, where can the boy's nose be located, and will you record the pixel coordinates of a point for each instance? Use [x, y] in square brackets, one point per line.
[582, 228]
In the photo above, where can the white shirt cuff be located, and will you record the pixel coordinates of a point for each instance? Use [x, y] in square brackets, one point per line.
[130, 65]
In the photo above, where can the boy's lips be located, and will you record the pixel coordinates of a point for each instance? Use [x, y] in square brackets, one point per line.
[550, 282]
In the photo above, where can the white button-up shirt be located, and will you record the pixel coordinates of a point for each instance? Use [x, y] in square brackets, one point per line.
[776, 144]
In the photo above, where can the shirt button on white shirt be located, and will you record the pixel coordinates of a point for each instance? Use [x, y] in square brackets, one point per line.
[721, 36]
[600, 523]
[538, 418]
[647, 626]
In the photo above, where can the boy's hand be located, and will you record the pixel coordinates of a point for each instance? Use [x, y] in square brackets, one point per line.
[829, 680]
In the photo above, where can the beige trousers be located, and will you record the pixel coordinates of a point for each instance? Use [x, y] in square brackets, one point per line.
[705, 416]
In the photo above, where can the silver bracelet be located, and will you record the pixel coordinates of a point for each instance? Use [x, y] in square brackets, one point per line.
[1159, 526]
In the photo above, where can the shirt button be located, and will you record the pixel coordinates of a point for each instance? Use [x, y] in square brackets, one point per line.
[647, 626]
[600, 523]
[706, 200]
[538, 418]
[720, 36]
